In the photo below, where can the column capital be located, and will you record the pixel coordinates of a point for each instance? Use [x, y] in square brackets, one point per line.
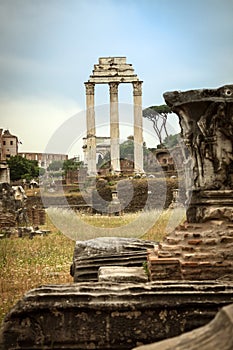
[113, 88]
[137, 88]
[90, 88]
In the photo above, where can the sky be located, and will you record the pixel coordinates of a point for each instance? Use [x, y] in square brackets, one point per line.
[48, 49]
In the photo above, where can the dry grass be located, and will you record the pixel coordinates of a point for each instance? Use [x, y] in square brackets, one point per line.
[167, 221]
[26, 264]
[152, 224]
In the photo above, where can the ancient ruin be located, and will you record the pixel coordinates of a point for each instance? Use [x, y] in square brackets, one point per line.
[90, 255]
[202, 248]
[190, 272]
[113, 71]
[107, 315]
[16, 214]
[217, 334]
[206, 120]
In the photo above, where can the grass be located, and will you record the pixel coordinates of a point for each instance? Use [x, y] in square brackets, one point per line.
[28, 263]
[152, 225]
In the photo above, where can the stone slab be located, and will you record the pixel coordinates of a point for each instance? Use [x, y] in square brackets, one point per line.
[110, 315]
[217, 334]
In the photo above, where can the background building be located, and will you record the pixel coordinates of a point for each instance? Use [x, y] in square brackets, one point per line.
[44, 159]
[8, 148]
[8, 144]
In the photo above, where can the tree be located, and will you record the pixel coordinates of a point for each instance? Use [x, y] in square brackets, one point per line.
[22, 168]
[158, 116]
[127, 148]
[171, 140]
[71, 164]
[55, 165]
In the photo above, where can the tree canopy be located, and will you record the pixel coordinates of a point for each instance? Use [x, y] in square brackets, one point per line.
[171, 140]
[127, 148]
[158, 116]
[22, 168]
[55, 165]
[71, 164]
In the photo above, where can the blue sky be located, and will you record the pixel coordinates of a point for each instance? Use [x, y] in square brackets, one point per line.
[48, 49]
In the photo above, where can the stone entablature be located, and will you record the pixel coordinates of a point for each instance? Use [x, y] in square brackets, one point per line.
[113, 69]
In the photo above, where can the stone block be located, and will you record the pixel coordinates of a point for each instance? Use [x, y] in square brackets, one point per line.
[210, 241]
[110, 60]
[90, 255]
[122, 274]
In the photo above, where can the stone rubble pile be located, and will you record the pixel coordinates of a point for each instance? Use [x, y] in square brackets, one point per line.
[7, 206]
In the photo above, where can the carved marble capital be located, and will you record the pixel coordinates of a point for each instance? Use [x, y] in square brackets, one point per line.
[90, 88]
[206, 120]
[113, 88]
[137, 88]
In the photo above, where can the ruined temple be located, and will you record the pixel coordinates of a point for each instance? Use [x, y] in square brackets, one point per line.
[113, 71]
[190, 272]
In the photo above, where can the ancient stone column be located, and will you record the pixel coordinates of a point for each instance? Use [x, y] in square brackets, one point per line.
[138, 135]
[91, 132]
[114, 128]
[206, 119]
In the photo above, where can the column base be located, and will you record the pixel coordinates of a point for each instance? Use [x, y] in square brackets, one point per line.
[210, 205]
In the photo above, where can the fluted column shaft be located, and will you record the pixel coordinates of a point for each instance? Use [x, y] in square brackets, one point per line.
[91, 131]
[114, 128]
[138, 127]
